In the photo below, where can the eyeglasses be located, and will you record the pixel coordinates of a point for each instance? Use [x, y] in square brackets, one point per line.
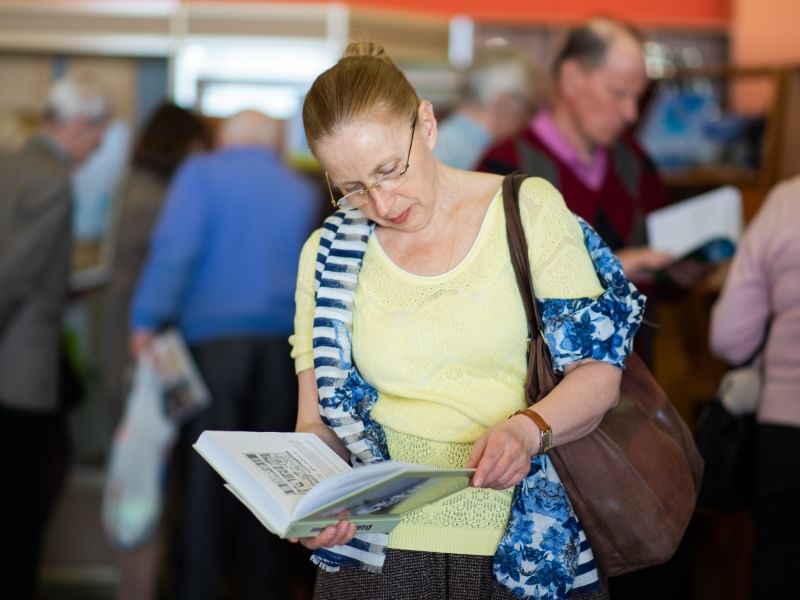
[389, 181]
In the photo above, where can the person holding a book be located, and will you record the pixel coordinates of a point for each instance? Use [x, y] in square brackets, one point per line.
[410, 344]
[582, 145]
[581, 142]
[221, 267]
[169, 136]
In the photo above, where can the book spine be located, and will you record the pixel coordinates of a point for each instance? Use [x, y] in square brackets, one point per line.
[365, 524]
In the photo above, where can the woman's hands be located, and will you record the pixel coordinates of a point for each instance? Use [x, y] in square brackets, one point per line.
[332, 535]
[502, 455]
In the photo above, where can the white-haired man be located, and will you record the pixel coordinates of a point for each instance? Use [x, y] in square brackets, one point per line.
[222, 266]
[498, 95]
[35, 240]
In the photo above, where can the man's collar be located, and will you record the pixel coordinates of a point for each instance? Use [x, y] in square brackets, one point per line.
[593, 173]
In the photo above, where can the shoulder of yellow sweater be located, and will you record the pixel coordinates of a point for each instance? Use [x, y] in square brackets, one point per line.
[312, 243]
[537, 191]
[538, 197]
[311, 247]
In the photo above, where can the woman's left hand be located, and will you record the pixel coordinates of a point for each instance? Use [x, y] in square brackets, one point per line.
[502, 455]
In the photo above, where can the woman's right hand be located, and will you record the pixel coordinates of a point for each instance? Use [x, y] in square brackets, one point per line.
[332, 535]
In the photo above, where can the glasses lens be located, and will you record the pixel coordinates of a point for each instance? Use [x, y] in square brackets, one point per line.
[353, 200]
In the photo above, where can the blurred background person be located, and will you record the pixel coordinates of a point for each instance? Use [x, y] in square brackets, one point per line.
[35, 242]
[95, 184]
[583, 146]
[761, 293]
[169, 135]
[222, 266]
[497, 97]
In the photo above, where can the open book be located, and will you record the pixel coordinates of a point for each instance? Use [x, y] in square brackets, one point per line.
[688, 225]
[700, 232]
[296, 485]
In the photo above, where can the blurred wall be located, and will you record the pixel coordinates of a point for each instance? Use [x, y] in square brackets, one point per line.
[764, 32]
[649, 12]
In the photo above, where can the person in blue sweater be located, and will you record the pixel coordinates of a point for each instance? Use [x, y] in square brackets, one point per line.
[222, 267]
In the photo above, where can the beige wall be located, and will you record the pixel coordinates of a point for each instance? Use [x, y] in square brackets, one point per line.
[763, 33]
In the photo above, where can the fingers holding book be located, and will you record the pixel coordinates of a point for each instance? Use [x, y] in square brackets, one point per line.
[333, 535]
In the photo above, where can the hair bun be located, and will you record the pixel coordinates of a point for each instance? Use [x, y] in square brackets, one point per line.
[367, 50]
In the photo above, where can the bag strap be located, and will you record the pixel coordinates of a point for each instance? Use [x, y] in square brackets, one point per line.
[750, 360]
[540, 378]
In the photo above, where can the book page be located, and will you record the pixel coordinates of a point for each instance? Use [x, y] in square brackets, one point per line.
[272, 470]
[686, 225]
[386, 488]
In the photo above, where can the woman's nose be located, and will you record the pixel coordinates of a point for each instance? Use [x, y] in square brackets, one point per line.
[382, 200]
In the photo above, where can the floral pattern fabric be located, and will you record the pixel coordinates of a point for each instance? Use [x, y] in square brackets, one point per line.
[602, 328]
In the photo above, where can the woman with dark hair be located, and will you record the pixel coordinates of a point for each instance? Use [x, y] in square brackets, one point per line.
[170, 134]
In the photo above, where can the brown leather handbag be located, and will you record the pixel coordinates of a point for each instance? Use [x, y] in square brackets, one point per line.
[633, 481]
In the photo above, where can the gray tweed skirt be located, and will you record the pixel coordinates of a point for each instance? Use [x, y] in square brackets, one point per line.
[409, 575]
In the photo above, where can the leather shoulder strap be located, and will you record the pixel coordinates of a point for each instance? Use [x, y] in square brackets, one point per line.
[518, 247]
[540, 379]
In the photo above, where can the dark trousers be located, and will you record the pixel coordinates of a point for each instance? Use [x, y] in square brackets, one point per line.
[220, 544]
[26, 457]
[776, 513]
[411, 575]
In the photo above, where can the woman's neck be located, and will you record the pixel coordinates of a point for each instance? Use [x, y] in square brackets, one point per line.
[461, 201]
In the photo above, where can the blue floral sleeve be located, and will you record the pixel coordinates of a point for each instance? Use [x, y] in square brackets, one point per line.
[600, 328]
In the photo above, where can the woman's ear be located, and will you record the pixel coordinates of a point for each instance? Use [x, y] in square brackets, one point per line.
[426, 123]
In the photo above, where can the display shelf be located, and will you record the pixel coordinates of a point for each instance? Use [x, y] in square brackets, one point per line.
[767, 96]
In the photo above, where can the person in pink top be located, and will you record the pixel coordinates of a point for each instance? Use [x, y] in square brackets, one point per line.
[763, 287]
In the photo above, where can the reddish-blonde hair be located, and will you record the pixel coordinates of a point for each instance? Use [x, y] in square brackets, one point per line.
[364, 82]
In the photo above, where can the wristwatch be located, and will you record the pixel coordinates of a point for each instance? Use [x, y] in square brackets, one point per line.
[545, 432]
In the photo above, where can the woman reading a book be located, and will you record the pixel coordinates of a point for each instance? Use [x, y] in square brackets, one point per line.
[410, 343]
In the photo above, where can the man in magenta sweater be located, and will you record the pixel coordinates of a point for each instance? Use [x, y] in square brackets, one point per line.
[582, 145]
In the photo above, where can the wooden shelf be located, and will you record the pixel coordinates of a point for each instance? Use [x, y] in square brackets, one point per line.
[777, 91]
[712, 176]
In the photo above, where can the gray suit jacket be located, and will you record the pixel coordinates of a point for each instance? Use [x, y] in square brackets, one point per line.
[35, 244]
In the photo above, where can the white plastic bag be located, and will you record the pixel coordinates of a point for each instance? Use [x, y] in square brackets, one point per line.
[740, 389]
[135, 480]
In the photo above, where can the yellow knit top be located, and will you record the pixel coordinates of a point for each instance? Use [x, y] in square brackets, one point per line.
[447, 353]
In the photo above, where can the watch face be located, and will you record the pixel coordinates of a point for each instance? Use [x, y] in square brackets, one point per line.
[547, 441]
